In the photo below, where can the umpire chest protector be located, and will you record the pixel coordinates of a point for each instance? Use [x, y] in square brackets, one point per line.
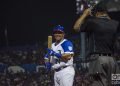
[97, 35]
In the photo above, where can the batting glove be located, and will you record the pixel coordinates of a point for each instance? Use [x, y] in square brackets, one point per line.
[46, 56]
[48, 66]
[53, 53]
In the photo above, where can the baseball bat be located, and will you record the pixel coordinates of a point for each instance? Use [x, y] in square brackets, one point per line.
[51, 60]
[49, 42]
[49, 46]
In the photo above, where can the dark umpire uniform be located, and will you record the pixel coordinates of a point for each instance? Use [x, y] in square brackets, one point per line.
[100, 35]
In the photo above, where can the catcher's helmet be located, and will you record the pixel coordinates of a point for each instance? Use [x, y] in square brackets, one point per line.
[58, 28]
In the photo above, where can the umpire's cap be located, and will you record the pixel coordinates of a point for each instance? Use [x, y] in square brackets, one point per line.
[58, 29]
[101, 6]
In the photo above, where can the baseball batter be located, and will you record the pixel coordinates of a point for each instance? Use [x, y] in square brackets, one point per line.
[61, 55]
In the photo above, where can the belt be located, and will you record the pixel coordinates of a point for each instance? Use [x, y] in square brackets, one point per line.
[104, 54]
[60, 68]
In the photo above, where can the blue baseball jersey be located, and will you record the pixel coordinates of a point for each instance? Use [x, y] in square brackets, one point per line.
[63, 47]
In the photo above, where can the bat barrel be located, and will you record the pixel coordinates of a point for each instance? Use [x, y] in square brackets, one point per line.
[49, 41]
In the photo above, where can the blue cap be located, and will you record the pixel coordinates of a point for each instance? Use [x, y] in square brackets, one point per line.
[58, 28]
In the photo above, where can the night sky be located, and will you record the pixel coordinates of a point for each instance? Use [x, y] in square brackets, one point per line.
[31, 21]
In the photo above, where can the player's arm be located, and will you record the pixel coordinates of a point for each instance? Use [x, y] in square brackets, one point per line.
[68, 51]
[81, 19]
[66, 57]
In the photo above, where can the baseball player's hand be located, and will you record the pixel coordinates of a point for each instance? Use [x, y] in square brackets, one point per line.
[46, 57]
[50, 51]
[48, 66]
[53, 53]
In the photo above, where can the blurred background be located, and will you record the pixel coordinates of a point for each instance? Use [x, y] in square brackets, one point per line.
[31, 21]
[24, 27]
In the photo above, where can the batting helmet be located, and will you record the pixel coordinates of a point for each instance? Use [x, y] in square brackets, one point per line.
[58, 28]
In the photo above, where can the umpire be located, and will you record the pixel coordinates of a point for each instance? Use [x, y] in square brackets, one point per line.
[100, 32]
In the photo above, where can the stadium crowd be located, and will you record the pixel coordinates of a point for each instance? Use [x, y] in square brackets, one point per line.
[24, 66]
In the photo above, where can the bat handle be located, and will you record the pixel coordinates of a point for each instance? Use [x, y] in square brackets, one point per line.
[47, 60]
